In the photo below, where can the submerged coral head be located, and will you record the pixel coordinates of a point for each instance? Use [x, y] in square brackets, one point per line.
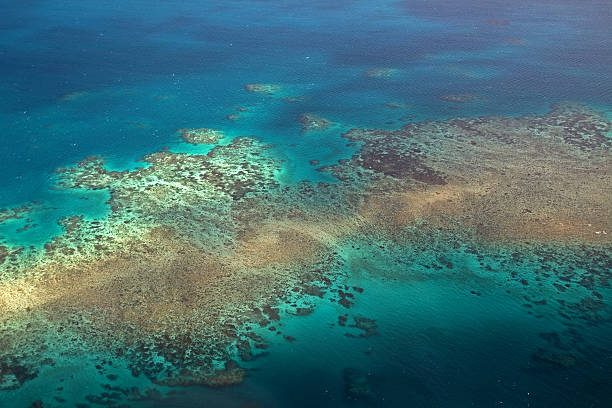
[201, 135]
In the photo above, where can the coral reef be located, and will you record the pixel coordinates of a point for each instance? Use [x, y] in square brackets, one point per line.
[369, 327]
[199, 249]
[173, 270]
[201, 135]
[357, 385]
[313, 122]
[464, 171]
[266, 89]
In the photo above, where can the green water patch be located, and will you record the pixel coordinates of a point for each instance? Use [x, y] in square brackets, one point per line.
[403, 321]
[606, 112]
[312, 151]
[72, 377]
[122, 163]
[180, 146]
[40, 224]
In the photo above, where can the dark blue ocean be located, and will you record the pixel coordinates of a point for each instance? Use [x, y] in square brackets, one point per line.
[118, 78]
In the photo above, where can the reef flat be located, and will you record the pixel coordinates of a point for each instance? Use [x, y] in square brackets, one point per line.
[199, 251]
[506, 179]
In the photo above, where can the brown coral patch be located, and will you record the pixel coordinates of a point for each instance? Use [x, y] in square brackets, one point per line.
[162, 279]
[161, 293]
[400, 165]
[517, 206]
[3, 254]
[231, 374]
[394, 154]
[535, 177]
[277, 243]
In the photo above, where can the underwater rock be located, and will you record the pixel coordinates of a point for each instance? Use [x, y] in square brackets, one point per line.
[344, 298]
[13, 374]
[368, 326]
[231, 374]
[303, 311]
[244, 350]
[201, 135]
[553, 338]
[26, 227]
[3, 253]
[272, 312]
[564, 360]
[8, 381]
[357, 385]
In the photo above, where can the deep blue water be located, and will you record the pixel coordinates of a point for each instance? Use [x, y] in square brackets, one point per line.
[150, 68]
